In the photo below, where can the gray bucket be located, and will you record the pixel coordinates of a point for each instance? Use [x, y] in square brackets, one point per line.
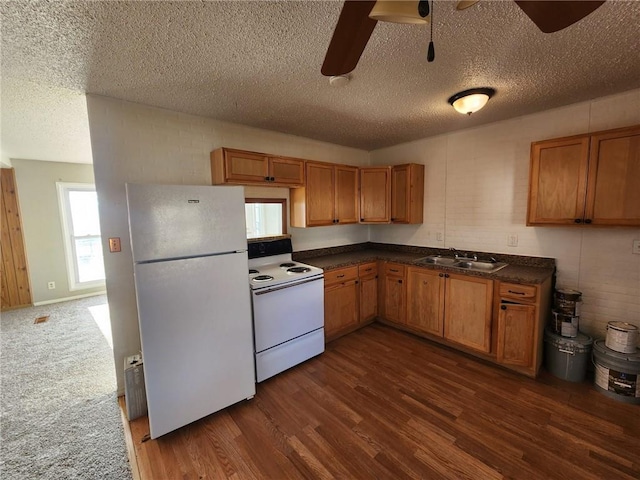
[567, 358]
[617, 374]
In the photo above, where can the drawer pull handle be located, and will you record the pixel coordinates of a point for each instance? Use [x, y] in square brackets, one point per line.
[392, 270]
[340, 276]
[503, 307]
[516, 293]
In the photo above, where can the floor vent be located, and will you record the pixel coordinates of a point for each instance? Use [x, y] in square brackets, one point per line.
[41, 319]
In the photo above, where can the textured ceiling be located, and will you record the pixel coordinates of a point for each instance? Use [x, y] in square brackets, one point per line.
[258, 63]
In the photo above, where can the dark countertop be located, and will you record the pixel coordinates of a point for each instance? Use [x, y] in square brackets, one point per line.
[512, 273]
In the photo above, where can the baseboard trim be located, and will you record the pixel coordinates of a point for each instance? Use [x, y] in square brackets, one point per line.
[128, 440]
[66, 299]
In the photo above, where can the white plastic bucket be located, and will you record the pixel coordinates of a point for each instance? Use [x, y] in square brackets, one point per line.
[617, 374]
[622, 337]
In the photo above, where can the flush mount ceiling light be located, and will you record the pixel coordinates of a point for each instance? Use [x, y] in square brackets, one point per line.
[400, 12]
[470, 101]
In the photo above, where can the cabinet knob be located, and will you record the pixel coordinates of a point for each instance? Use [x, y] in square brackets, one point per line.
[441, 274]
[399, 281]
[272, 179]
[393, 219]
[424, 282]
[503, 307]
[362, 219]
[588, 220]
[578, 220]
[337, 220]
[266, 179]
[446, 275]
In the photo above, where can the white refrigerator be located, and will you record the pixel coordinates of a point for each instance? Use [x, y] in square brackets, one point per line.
[189, 251]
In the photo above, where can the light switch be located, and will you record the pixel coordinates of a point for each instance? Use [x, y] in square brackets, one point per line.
[512, 240]
[114, 244]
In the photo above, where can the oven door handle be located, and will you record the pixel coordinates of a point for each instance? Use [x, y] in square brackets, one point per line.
[288, 285]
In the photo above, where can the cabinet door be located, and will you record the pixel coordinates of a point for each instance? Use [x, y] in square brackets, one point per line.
[613, 187]
[375, 195]
[286, 171]
[425, 300]
[400, 194]
[340, 307]
[558, 181]
[516, 325]
[320, 194]
[368, 298]
[468, 311]
[393, 293]
[346, 202]
[245, 167]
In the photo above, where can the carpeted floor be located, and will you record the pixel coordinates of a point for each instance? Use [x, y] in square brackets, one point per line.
[59, 413]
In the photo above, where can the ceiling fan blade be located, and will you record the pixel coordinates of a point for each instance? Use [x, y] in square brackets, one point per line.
[350, 37]
[552, 16]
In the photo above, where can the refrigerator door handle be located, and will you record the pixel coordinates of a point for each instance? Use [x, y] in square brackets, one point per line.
[288, 285]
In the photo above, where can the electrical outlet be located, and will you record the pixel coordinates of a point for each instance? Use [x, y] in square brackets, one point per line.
[51, 285]
[439, 236]
[114, 244]
[636, 247]
[512, 240]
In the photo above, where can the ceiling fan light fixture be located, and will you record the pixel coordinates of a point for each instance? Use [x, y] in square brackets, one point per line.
[397, 12]
[470, 101]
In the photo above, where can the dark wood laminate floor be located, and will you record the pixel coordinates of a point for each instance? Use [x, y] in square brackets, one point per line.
[380, 403]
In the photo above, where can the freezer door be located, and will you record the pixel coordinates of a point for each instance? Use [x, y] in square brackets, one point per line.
[176, 221]
[197, 337]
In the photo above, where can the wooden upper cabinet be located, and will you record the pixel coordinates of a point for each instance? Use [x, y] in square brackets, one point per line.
[587, 179]
[250, 168]
[613, 184]
[375, 195]
[329, 196]
[407, 193]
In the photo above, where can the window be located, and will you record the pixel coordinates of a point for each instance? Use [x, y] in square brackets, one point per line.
[82, 241]
[266, 217]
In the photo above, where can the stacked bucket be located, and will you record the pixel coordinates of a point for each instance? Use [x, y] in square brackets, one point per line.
[617, 363]
[567, 350]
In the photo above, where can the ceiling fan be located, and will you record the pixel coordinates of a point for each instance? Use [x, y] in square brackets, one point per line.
[354, 27]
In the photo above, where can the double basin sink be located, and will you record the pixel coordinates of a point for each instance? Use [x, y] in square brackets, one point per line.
[464, 263]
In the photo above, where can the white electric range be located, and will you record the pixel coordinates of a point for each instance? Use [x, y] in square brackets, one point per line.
[288, 307]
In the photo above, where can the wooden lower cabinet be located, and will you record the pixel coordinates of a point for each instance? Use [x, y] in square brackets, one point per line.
[522, 312]
[393, 292]
[468, 311]
[425, 300]
[341, 299]
[368, 276]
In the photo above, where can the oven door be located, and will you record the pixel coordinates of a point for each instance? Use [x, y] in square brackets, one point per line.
[287, 311]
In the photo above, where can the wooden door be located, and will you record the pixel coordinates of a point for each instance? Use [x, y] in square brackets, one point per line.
[613, 186]
[400, 194]
[516, 329]
[558, 181]
[425, 300]
[375, 195]
[16, 291]
[245, 167]
[346, 202]
[368, 291]
[340, 308]
[468, 302]
[286, 171]
[320, 194]
[393, 293]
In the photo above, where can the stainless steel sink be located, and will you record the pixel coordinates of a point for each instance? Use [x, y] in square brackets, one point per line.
[438, 260]
[464, 263]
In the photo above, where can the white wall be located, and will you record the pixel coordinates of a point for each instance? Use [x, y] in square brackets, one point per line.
[43, 234]
[135, 143]
[476, 195]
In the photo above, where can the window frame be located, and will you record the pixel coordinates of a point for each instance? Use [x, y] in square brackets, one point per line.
[283, 202]
[63, 189]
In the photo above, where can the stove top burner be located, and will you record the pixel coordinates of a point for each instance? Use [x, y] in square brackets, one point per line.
[253, 270]
[262, 278]
[287, 265]
[298, 270]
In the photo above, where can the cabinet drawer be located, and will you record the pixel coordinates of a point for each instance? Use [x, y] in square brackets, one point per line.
[340, 275]
[367, 269]
[394, 269]
[518, 292]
